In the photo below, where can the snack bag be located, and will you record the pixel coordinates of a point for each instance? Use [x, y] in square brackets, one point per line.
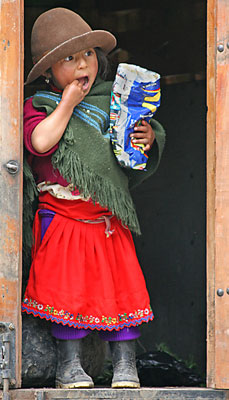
[135, 96]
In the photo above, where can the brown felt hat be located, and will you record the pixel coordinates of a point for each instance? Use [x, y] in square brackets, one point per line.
[59, 33]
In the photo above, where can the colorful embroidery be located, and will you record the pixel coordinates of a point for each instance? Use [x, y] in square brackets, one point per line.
[88, 321]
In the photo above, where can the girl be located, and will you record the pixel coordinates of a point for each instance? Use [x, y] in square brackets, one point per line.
[84, 274]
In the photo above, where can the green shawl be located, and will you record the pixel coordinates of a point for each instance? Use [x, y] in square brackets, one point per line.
[85, 157]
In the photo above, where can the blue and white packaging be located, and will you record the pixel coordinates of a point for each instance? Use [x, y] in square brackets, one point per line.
[135, 96]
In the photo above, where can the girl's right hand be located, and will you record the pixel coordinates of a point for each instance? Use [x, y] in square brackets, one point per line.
[50, 130]
[73, 94]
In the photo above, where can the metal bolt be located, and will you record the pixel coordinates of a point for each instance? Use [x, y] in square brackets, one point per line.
[220, 292]
[11, 326]
[12, 167]
[227, 290]
[228, 45]
[220, 48]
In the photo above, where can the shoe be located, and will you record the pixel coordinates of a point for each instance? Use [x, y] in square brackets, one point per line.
[124, 364]
[69, 372]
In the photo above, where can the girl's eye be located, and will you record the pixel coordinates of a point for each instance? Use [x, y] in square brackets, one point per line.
[69, 58]
[89, 53]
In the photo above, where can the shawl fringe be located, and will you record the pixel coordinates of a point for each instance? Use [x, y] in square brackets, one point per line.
[98, 188]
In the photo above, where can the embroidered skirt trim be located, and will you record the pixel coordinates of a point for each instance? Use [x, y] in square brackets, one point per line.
[135, 318]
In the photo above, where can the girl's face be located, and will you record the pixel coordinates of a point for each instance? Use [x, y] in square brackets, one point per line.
[81, 66]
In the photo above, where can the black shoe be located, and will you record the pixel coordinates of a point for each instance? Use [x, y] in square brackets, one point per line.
[69, 372]
[124, 365]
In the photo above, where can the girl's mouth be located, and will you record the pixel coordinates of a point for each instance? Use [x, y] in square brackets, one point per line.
[84, 81]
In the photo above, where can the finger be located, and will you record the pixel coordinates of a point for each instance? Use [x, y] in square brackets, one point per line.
[73, 87]
[79, 86]
[76, 85]
[144, 142]
[144, 122]
[140, 135]
[140, 141]
[147, 147]
[79, 83]
[140, 128]
[78, 89]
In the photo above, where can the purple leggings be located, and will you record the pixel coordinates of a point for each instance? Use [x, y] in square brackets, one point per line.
[65, 332]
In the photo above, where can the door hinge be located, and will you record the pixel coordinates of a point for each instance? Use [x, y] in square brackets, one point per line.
[7, 358]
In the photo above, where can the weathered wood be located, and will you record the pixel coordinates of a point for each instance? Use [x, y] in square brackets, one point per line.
[211, 131]
[124, 394]
[222, 199]
[217, 234]
[11, 91]
[218, 194]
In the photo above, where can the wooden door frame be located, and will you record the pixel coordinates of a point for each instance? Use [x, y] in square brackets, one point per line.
[217, 194]
[11, 106]
[12, 40]
[211, 132]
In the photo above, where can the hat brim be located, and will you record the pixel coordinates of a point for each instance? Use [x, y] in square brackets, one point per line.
[103, 39]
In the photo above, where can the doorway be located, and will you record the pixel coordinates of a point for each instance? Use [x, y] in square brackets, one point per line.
[171, 40]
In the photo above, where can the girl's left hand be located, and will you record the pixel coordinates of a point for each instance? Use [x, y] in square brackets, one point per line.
[143, 134]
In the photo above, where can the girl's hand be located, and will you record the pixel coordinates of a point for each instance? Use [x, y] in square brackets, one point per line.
[50, 130]
[73, 94]
[143, 134]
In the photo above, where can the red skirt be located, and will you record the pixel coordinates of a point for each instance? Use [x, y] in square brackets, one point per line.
[80, 277]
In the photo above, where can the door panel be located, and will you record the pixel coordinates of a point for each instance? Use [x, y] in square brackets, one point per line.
[11, 89]
[218, 194]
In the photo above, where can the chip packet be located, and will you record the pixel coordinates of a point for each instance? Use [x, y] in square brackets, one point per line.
[135, 96]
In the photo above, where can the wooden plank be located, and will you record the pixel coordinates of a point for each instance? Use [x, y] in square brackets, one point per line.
[124, 394]
[11, 92]
[218, 195]
[211, 132]
[222, 199]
